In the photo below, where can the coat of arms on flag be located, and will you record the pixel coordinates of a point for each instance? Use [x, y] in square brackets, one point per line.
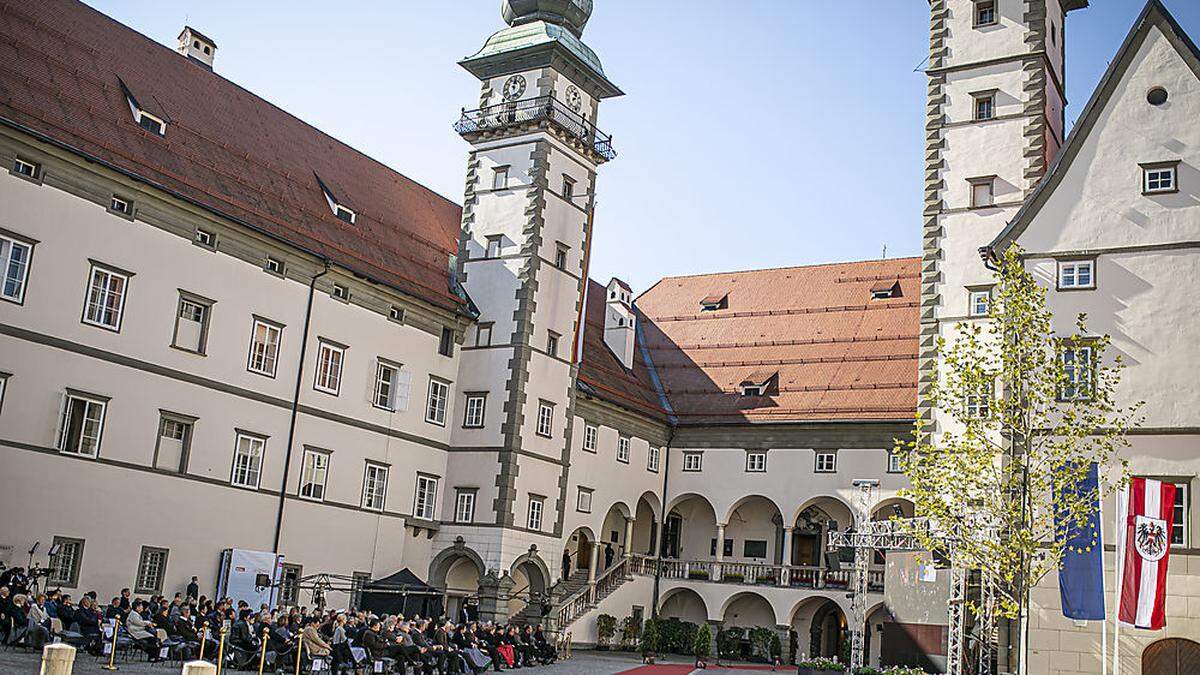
[1143, 545]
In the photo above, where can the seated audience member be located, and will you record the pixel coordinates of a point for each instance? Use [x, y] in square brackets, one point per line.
[142, 631]
[38, 631]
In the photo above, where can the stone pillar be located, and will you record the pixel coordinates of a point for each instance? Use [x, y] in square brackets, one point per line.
[593, 562]
[715, 627]
[786, 558]
[199, 668]
[720, 549]
[58, 659]
[629, 537]
[493, 597]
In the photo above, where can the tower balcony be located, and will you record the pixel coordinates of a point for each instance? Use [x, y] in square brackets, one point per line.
[543, 112]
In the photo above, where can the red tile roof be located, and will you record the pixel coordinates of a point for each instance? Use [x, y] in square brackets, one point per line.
[840, 354]
[225, 148]
[604, 374]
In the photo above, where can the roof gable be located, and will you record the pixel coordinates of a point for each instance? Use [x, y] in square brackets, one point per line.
[1154, 20]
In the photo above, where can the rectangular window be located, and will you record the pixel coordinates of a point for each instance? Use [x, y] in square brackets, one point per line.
[396, 314]
[151, 123]
[652, 459]
[191, 323]
[560, 256]
[552, 343]
[982, 193]
[105, 298]
[1179, 516]
[26, 168]
[623, 449]
[152, 567]
[81, 425]
[568, 188]
[483, 335]
[985, 13]
[14, 257]
[66, 557]
[289, 584]
[247, 461]
[340, 292]
[583, 501]
[979, 302]
[1076, 274]
[446, 344]
[329, 368]
[545, 419]
[464, 506]
[985, 106]
[754, 548]
[726, 547]
[344, 214]
[174, 442]
[386, 376]
[826, 462]
[1159, 178]
[425, 501]
[495, 246]
[893, 463]
[1078, 367]
[692, 461]
[206, 238]
[375, 480]
[313, 474]
[121, 206]
[590, 433]
[500, 178]
[264, 347]
[473, 411]
[435, 409]
[978, 406]
[274, 266]
[536, 508]
[756, 461]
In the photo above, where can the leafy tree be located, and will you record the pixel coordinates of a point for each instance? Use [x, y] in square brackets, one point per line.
[1024, 411]
[649, 641]
[606, 627]
[702, 647]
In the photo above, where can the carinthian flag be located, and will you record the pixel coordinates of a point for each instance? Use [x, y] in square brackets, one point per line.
[1143, 544]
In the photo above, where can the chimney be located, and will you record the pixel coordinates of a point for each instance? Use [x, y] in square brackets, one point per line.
[618, 321]
[197, 46]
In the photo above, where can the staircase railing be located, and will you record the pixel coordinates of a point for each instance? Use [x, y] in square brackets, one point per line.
[577, 604]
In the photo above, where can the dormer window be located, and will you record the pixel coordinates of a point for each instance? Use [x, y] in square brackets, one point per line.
[758, 382]
[340, 211]
[343, 213]
[885, 289]
[712, 303]
[151, 123]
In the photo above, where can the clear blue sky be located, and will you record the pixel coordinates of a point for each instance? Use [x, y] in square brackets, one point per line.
[753, 133]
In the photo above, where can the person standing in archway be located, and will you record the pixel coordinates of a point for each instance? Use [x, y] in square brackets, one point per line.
[608, 555]
[566, 563]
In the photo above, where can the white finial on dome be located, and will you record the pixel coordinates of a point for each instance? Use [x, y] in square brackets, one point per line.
[570, 14]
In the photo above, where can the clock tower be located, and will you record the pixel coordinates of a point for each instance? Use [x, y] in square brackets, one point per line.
[523, 251]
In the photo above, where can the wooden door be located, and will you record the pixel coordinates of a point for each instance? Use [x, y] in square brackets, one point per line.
[1173, 656]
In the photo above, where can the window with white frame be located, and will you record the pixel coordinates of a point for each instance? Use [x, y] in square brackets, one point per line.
[425, 501]
[985, 106]
[464, 506]
[344, 214]
[329, 367]
[692, 461]
[495, 246]
[826, 462]
[105, 297]
[1077, 370]
[3, 388]
[552, 343]
[623, 449]
[583, 500]
[151, 123]
[396, 314]
[1159, 178]
[375, 479]
[264, 347]
[340, 292]
[313, 474]
[81, 425]
[387, 377]
[652, 458]
[893, 462]
[982, 192]
[979, 302]
[191, 323]
[206, 238]
[1180, 512]
[247, 460]
[545, 419]
[1076, 274]
[152, 567]
[435, 408]
[473, 410]
[26, 168]
[561, 251]
[274, 266]
[483, 334]
[978, 405]
[537, 507]
[174, 441]
[568, 187]
[120, 205]
[590, 433]
[14, 257]
[985, 13]
[65, 561]
[756, 461]
[500, 178]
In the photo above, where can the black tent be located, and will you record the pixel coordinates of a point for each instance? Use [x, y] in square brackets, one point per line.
[402, 593]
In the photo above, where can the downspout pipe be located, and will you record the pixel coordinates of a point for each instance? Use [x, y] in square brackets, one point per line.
[287, 456]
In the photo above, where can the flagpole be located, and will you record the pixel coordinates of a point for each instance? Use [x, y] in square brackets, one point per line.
[1104, 620]
[1119, 554]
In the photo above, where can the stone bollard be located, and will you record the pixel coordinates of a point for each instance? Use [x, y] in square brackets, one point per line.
[199, 668]
[58, 659]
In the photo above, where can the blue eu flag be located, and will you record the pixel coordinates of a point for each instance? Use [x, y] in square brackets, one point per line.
[1081, 577]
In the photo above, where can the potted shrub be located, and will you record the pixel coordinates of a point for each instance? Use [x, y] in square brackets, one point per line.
[606, 627]
[821, 666]
[629, 633]
[649, 640]
[702, 645]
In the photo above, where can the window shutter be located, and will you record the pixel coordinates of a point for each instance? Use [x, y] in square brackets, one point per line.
[62, 420]
[402, 390]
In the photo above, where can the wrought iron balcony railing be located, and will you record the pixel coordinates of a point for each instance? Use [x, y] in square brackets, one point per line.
[539, 109]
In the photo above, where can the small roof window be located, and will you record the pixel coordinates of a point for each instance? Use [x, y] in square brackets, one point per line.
[340, 210]
[712, 303]
[144, 119]
[758, 382]
[885, 289]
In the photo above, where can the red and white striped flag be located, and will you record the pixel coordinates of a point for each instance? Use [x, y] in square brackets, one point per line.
[1144, 543]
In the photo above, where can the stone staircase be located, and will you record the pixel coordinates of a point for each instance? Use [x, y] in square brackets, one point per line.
[531, 613]
[580, 597]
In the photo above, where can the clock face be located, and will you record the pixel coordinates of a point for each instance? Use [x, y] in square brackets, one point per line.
[573, 98]
[514, 87]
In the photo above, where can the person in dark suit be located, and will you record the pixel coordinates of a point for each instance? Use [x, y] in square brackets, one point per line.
[566, 564]
[193, 589]
[608, 555]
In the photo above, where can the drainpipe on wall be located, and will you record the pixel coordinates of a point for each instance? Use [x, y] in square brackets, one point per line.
[287, 457]
[662, 526]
